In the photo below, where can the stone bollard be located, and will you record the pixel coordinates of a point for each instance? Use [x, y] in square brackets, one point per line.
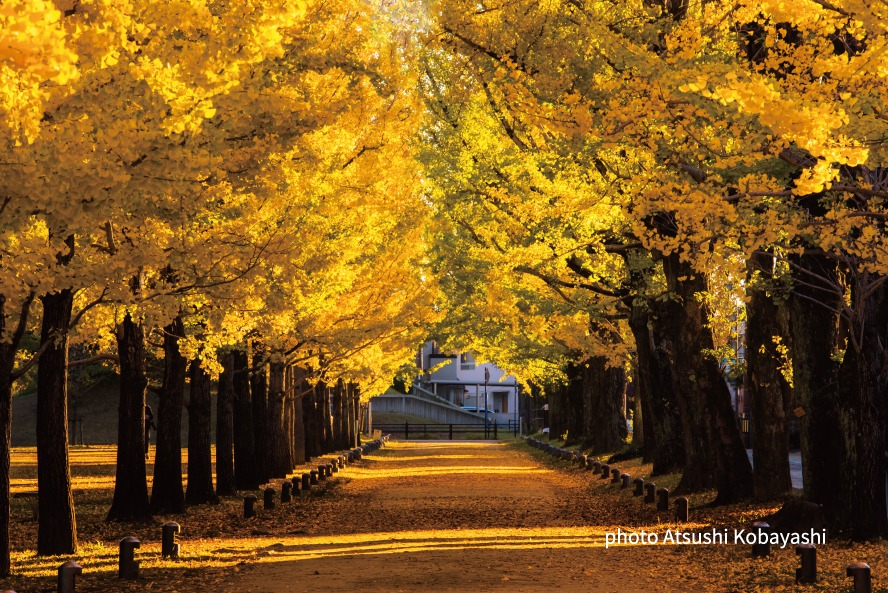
[650, 492]
[67, 572]
[663, 499]
[306, 483]
[296, 481]
[341, 461]
[169, 546]
[625, 479]
[863, 578]
[334, 466]
[615, 476]
[760, 550]
[286, 491]
[249, 501]
[313, 476]
[605, 471]
[596, 467]
[639, 487]
[268, 499]
[328, 470]
[127, 567]
[681, 509]
[807, 573]
[322, 472]
[358, 454]
[582, 459]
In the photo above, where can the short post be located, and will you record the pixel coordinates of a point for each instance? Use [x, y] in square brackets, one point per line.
[268, 498]
[313, 477]
[681, 509]
[127, 567]
[807, 573]
[451, 431]
[605, 471]
[67, 572]
[596, 467]
[615, 476]
[249, 501]
[863, 579]
[341, 460]
[639, 487]
[322, 472]
[650, 492]
[297, 482]
[581, 459]
[169, 546]
[334, 466]
[663, 499]
[328, 470]
[760, 549]
[306, 482]
[286, 491]
[625, 479]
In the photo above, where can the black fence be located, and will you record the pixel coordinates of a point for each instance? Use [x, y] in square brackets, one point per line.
[493, 430]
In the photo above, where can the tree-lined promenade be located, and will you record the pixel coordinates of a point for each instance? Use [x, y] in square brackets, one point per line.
[275, 203]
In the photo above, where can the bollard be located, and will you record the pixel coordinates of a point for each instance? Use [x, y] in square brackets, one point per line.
[807, 573]
[341, 460]
[605, 471]
[67, 572]
[625, 479]
[639, 487]
[334, 466]
[306, 482]
[596, 467]
[663, 499]
[760, 550]
[582, 460]
[649, 492]
[681, 508]
[322, 472]
[328, 469]
[296, 481]
[249, 501]
[313, 476]
[358, 454]
[268, 500]
[127, 567]
[615, 476]
[169, 546]
[286, 491]
[863, 579]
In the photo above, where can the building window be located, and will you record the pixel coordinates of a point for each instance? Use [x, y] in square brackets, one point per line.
[466, 362]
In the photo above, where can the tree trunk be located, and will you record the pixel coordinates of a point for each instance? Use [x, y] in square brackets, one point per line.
[657, 392]
[604, 389]
[288, 417]
[555, 396]
[130, 501]
[57, 527]
[9, 343]
[714, 450]
[225, 484]
[244, 445]
[279, 465]
[259, 393]
[167, 493]
[339, 419]
[813, 328]
[354, 403]
[200, 453]
[329, 437]
[308, 416]
[770, 394]
[863, 378]
[302, 388]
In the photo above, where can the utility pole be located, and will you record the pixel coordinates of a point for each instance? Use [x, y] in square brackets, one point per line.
[486, 380]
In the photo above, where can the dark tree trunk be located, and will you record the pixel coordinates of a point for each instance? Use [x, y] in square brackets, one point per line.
[302, 387]
[259, 393]
[57, 527]
[354, 404]
[321, 395]
[555, 396]
[288, 418]
[657, 392]
[574, 405]
[308, 415]
[167, 493]
[131, 481]
[279, 465]
[329, 437]
[863, 377]
[604, 390]
[200, 454]
[244, 445]
[339, 421]
[714, 450]
[9, 343]
[770, 394]
[225, 484]
[813, 328]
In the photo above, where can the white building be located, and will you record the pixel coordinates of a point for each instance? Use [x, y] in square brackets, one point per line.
[460, 380]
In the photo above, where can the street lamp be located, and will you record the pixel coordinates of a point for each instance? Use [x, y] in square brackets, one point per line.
[486, 379]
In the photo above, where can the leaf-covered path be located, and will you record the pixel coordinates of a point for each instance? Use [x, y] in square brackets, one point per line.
[445, 516]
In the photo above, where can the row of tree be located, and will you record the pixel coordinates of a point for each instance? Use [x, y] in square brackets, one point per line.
[227, 188]
[620, 186]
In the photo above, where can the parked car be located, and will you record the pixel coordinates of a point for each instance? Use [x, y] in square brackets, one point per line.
[475, 410]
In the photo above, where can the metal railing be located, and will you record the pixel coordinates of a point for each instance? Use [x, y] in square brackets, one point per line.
[493, 430]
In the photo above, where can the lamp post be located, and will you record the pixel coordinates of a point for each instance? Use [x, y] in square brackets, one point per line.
[486, 379]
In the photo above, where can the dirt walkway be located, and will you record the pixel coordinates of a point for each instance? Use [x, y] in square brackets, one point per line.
[460, 517]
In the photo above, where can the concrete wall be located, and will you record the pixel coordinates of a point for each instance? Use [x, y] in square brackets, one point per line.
[410, 404]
